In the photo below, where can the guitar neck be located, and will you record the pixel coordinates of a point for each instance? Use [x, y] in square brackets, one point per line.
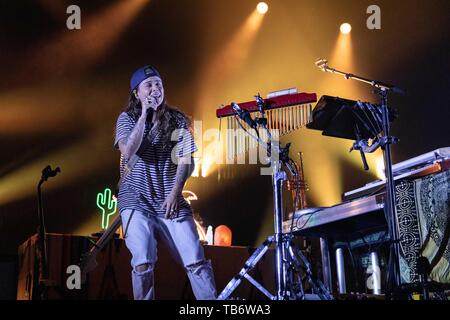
[107, 235]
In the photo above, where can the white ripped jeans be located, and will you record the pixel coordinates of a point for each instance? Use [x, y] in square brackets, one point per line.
[180, 236]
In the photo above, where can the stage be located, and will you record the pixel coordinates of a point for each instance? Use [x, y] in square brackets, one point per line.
[282, 150]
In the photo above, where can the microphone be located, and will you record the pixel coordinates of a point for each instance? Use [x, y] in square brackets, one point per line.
[149, 119]
[322, 64]
[260, 103]
[48, 172]
[244, 115]
[151, 103]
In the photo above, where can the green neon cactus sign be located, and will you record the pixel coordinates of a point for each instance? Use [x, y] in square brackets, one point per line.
[108, 205]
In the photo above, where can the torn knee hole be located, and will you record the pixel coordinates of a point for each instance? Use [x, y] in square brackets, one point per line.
[195, 267]
[143, 267]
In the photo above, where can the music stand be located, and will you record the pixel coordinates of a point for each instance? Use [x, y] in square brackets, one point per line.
[341, 118]
[383, 139]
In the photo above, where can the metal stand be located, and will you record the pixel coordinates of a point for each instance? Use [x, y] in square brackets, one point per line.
[376, 272]
[424, 269]
[288, 259]
[280, 256]
[394, 266]
[384, 142]
[340, 266]
[43, 281]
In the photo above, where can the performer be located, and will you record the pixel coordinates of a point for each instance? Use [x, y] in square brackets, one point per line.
[149, 199]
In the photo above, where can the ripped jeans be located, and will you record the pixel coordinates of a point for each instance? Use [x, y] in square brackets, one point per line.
[180, 236]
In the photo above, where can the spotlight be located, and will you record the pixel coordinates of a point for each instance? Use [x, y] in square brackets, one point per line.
[346, 28]
[262, 7]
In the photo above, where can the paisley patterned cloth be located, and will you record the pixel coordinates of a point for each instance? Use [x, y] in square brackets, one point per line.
[423, 219]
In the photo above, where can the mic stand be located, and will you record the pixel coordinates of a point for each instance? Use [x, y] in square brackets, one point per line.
[424, 269]
[278, 177]
[323, 65]
[382, 89]
[394, 274]
[43, 281]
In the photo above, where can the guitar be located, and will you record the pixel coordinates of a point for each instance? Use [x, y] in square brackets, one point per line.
[88, 261]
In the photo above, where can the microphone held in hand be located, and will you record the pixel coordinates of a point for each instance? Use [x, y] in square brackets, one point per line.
[150, 113]
[151, 101]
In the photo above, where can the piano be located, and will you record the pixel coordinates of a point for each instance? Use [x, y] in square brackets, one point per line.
[361, 213]
[365, 200]
[423, 165]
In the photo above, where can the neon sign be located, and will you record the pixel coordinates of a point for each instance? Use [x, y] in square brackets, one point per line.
[108, 205]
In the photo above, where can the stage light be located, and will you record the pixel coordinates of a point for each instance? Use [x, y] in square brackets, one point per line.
[20, 183]
[346, 28]
[380, 166]
[196, 172]
[262, 8]
[215, 76]
[78, 51]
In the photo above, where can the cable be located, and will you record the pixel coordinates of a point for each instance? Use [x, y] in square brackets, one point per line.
[352, 259]
[297, 191]
[310, 214]
[239, 121]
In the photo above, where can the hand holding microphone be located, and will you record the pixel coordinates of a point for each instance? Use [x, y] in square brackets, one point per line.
[151, 102]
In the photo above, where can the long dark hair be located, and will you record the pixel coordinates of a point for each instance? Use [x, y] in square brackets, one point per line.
[170, 117]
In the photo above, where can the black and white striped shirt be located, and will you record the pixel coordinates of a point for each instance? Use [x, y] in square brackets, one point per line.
[153, 176]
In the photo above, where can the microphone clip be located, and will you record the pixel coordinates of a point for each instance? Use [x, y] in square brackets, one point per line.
[322, 64]
[244, 115]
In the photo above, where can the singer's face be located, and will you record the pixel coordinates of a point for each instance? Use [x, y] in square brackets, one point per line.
[151, 92]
